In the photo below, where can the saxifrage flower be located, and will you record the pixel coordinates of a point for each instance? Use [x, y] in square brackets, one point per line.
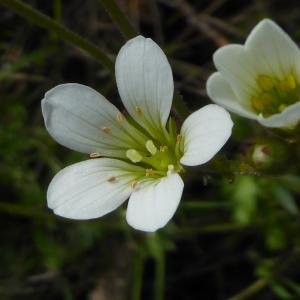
[261, 79]
[137, 156]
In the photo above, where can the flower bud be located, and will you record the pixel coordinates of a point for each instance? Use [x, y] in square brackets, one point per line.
[268, 154]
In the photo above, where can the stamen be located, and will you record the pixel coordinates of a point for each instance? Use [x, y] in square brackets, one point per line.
[288, 84]
[170, 167]
[265, 82]
[133, 183]
[106, 130]
[151, 147]
[134, 155]
[163, 148]
[111, 179]
[120, 116]
[138, 110]
[149, 172]
[259, 103]
[178, 145]
[95, 155]
[291, 81]
[179, 137]
[275, 94]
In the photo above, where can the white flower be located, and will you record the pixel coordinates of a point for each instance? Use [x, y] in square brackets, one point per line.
[141, 154]
[260, 80]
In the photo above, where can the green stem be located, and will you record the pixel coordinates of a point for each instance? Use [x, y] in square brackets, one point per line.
[159, 283]
[44, 21]
[138, 270]
[251, 290]
[118, 17]
[57, 10]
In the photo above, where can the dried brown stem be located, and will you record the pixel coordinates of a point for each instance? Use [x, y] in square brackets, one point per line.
[200, 23]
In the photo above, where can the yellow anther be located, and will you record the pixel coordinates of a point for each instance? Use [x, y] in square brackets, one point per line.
[106, 129]
[111, 179]
[267, 98]
[138, 110]
[291, 81]
[276, 94]
[288, 84]
[95, 155]
[163, 148]
[265, 82]
[149, 172]
[259, 103]
[179, 137]
[133, 183]
[120, 116]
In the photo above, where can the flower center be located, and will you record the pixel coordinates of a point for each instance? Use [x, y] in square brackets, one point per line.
[275, 94]
[156, 159]
[157, 153]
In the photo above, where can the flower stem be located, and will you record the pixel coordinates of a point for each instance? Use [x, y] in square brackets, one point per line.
[138, 270]
[122, 22]
[44, 21]
[159, 284]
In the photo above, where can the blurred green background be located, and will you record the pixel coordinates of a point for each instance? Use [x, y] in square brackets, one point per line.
[236, 232]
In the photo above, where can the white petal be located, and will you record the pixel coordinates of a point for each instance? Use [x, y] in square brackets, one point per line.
[153, 204]
[82, 191]
[144, 78]
[236, 65]
[273, 50]
[219, 90]
[204, 133]
[75, 115]
[288, 118]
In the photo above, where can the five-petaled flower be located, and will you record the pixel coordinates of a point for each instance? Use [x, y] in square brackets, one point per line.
[261, 79]
[137, 156]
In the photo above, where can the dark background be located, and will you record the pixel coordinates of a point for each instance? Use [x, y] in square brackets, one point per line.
[229, 233]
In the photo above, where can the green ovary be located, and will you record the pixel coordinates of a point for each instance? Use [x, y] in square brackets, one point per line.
[275, 95]
[158, 158]
[155, 162]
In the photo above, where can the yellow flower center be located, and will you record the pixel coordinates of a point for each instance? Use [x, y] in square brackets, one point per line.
[275, 94]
